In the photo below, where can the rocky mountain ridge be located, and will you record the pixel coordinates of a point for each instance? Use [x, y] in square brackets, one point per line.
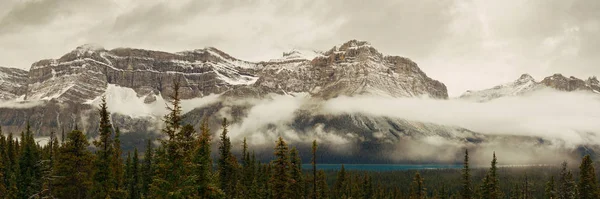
[526, 84]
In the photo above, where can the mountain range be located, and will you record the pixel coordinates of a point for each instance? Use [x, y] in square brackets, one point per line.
[263, 100]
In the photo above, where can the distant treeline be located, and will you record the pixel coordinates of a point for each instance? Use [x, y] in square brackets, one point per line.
[181, 167]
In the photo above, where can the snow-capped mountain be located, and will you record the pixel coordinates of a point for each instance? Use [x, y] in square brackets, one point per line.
[58, 94]
[527, 84]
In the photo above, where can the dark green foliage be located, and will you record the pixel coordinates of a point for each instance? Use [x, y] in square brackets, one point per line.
[118, 172]
[147, 168]
[551, 188]
[566, 183]
[3, 159]
[133, 186]
[417, 188]
[490, 187]
[588, 185]
[227, 164]
[297, 179]
[314, 170]
[73, 168]
[205, 186]
[322, 187]
[467, 190]
[341, 184]
[103, 175]
[30, 173]
[281, 171]
[173, 163]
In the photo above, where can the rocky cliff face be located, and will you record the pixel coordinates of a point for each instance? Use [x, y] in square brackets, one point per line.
[13, 83]
[354, 68]
[71, 84]
[526, 84]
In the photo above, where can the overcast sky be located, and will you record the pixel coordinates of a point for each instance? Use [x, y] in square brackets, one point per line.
[467, 44]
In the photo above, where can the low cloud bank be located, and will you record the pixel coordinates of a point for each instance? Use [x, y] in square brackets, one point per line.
[571, 117]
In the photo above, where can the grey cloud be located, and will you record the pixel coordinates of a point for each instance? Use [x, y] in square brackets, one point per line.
[457, 42]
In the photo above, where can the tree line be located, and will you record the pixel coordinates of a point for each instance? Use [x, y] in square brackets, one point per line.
[181, 166]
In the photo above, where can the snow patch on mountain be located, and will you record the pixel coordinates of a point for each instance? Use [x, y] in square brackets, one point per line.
[524, 84]
[126, 101]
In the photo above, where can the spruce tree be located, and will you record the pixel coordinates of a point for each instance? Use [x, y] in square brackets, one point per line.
[73, 168]
[322, 188]
[588, 185]
[367, 187]
[134, 177]
[30, 173]
[551, 188]
[297, 183]
[225, 165]
[11, 167]
[490, 186]
[127, 176]
[173, 157]
[566, 184]
[417, 188]
[205, 187]
[281, 170]
[3, 190]
[147, 168]
[314, 166]
[339, 188]
[466, 192]
[103, 177]
[247, 168]
[118, 172]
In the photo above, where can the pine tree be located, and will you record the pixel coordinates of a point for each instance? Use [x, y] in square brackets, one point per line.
[118, 190]
[134, 177]
[30, 173]
[3, 190]
[466, 192]
[205, 187]
[588, 185]
[526, 189]
[128, 174]
[341, 184]
[11, 167]
[147, 168]
[297, 183]
[417, 188]
[314, 165]
[103, 177]
[225, 164]
[173, 157]
[322, 188]
[490, 186]
[73, 168]
[367, 188]
[566, 184]
[551, 189]
[247, 168]
[281, 171]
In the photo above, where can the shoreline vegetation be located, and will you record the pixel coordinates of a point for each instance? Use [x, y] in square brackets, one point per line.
[181, 166]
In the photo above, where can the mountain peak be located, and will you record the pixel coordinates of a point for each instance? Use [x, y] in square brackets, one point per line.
[354, 44]
[353, 49]
[89, 47]
[525, 78]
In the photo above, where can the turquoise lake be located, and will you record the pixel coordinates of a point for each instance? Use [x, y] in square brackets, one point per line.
[382, 167]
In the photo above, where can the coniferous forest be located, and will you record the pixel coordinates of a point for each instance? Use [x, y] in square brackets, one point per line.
[180, 165]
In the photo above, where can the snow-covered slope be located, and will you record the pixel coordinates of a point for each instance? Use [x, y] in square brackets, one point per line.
[526, 84]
